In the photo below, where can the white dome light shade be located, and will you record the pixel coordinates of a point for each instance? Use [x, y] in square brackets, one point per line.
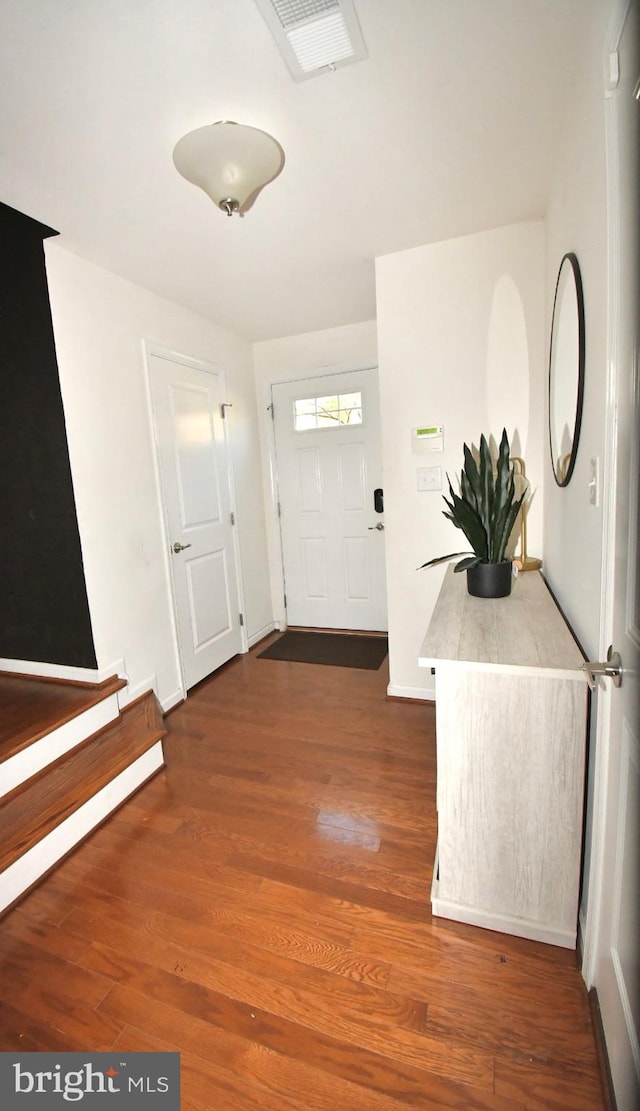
[230, 162]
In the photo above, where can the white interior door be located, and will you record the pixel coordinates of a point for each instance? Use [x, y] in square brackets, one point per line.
[195, 476]
[612, 945]
[329, 461]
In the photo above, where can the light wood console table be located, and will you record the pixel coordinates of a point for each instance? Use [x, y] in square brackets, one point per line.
[511, 720]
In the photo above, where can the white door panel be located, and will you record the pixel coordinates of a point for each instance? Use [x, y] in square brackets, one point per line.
[195, 453]
[209, 603]
[194, 470]
[333, 553]
[352, 465]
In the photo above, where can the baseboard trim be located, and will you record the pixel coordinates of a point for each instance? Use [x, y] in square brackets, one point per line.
[415, 694]
[172, 700]
[254, 638]
[130, 694]
[601, 1051]
[93, 676]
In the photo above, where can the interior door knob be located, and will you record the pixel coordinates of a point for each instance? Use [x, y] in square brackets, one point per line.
[379, 527]
[177, 547]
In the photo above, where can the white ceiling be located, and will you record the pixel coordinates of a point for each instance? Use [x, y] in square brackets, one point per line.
[450, 126]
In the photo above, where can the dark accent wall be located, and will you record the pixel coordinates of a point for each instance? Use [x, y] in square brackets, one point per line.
[44, 612]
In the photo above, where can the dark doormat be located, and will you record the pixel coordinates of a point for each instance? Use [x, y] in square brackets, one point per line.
[337, 649]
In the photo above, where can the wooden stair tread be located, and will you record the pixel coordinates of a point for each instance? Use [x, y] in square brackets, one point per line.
[30, 707]
[34, 809]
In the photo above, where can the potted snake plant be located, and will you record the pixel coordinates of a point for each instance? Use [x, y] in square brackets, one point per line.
[485, 509]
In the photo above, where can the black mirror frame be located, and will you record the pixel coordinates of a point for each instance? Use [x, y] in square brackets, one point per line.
[571, 258]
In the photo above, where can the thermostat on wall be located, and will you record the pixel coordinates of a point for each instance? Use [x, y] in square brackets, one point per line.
[430, 437]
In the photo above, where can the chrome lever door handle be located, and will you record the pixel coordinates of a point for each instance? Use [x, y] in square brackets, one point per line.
[177, 547]
[379, 527]
[611, 668]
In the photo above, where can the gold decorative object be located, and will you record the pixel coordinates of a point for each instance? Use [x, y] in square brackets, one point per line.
[525, 562]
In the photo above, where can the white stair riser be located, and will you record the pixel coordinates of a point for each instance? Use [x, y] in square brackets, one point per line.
[29, 761]
[20, 876]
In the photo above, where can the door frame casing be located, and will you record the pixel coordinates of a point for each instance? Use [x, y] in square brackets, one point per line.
[591, 925]
[272, 520]
[151, 349]
[369, 433]
[610, 944]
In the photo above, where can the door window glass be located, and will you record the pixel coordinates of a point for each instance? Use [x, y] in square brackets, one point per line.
[327, 412]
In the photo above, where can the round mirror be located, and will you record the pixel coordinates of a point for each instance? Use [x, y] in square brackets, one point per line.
[566, 369]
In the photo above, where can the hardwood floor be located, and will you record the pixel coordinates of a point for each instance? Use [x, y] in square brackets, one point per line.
[262, 906]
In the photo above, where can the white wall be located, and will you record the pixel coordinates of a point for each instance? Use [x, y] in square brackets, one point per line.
[351, 347]
[461, 344]
[100, 322]
[577, 221]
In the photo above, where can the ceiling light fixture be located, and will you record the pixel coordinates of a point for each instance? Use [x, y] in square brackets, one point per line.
[314, 36]
[230, 162]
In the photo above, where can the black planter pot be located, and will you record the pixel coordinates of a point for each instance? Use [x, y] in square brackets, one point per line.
[490, 580]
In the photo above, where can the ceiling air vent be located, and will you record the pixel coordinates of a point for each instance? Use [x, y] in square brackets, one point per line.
[314, 36]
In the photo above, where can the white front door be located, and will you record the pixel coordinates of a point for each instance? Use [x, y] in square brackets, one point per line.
[196, 487]
[329, 460]
[612, 944]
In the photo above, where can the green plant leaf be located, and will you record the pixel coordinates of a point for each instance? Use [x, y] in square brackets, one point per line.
[506, 505]
[503, 495]
[470, 485]
[440, 559]
[465, 517]
[467, 564]
[487, 494]
[486, 508]
[506, 527]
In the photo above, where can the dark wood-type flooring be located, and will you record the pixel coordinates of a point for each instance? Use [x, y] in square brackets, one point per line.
[262, 906]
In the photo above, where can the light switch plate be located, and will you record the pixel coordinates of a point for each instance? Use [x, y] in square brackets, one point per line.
[429, 478]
